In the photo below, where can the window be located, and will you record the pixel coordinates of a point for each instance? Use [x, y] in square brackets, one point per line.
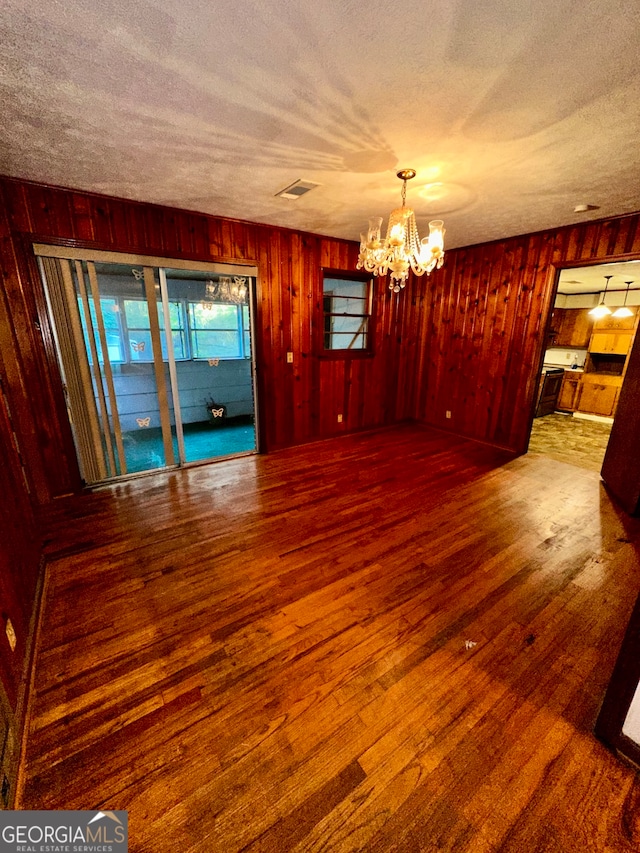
[346, 303]
[246, 331]
[219, 330]
[139, 331]
[199, 330]
[113, 332]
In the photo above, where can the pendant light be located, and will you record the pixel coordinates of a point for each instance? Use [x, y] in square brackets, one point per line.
[601, 310]
[623, 311]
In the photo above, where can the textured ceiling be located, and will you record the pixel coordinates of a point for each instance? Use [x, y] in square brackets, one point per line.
[592, 279]
[513, 111]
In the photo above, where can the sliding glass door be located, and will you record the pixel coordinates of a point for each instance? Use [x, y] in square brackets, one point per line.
[156, 358]
[213, 372]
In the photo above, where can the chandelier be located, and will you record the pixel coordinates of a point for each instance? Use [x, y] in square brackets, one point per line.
[225, 290]
[402, 249]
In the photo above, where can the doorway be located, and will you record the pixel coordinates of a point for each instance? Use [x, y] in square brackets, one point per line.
[591, 354]
[157, 359]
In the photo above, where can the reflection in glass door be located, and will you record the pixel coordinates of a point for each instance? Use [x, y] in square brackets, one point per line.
[157, 362]
[213, 377]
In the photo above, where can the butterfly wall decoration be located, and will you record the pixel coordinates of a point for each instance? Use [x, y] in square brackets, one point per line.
[217, 413]
[138, 274]
[137, 346]
[143, 422]
[214, 362]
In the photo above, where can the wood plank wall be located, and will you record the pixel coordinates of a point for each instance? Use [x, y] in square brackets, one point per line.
[19, 562]
[299, 402]
[20, 546]
[19, 537]
[483, 321]
[468, 339]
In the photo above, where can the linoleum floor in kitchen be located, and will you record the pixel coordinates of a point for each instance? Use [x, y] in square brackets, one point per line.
[574, 440]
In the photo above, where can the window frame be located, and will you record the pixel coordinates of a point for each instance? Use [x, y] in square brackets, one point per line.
[337, 354]
[187, 330]
[239, 331]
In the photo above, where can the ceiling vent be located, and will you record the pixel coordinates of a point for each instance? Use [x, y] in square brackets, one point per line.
[297, 188]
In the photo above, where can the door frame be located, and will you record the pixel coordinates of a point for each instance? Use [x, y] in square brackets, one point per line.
[161, 263]
[554, 280]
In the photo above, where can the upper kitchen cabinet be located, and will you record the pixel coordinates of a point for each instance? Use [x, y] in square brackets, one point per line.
[617, 343]
[611, 323]
[612, 335]
[571, 327]
[606, 364]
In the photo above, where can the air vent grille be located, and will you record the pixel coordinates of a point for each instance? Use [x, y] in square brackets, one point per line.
[297, 188]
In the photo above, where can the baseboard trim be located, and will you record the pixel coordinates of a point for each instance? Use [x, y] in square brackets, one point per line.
[23, 705]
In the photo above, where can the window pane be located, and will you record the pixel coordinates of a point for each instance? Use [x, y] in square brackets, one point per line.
[343, 305]
[137, 318]
[136, 314]
[341, 341]
[219, 344]
[140, 348]
[213, 316]
[111, 320]
[175, 315]
[246, 326]
[347, 325]
[110, 313]
[342, 287]
[114, 346]
[179, 344]
[346, 306]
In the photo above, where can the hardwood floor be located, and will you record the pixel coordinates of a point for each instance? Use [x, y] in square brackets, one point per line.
[270, 653]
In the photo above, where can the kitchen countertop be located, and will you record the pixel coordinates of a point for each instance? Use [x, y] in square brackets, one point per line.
[548, 366]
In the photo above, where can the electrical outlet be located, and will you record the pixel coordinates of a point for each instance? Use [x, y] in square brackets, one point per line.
[447, 414]
[339, 419]
[289, 358]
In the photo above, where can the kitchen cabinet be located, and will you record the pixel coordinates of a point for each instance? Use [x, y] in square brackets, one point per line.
[608, 342]
[598, 394]
[617, 342]
[569, 391]
[615, 323]
[571, 327]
